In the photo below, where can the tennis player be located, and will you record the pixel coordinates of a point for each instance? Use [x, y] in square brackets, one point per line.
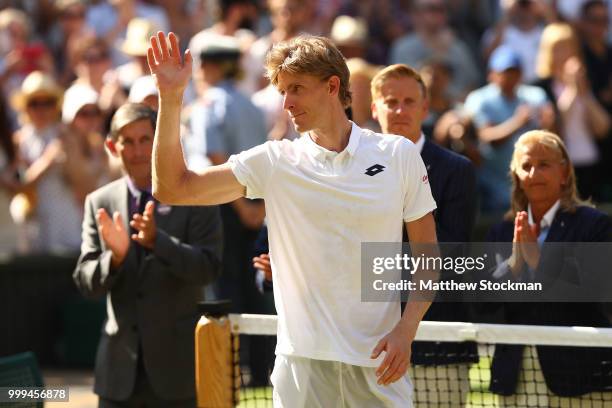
[325, 193]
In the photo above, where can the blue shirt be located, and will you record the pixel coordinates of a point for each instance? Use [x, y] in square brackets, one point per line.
[489, 107]
[224, 121]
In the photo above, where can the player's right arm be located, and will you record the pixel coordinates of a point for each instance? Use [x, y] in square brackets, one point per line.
[172, 182]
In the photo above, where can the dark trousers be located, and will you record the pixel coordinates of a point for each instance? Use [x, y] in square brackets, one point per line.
[143, 395]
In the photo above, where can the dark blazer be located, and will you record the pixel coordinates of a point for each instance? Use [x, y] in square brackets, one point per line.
[452, 180]
[568, 371]
[151, 299]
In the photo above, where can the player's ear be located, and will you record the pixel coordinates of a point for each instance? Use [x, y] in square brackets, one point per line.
[333, 84]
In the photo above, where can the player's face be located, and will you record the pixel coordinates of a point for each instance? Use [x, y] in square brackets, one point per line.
[134, 146]
[542, 173]
[306, 99]
[400, 107]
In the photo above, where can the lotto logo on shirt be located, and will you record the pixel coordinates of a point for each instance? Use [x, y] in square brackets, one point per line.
[425, 179]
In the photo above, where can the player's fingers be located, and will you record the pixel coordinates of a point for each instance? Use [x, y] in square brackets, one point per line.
[161, 39]
[385, 378]
[151, 59]
[259, 265]
[188, 60]
[156, 50]
[399, 372]
[380, 346]
[384, 367]
[175, 52]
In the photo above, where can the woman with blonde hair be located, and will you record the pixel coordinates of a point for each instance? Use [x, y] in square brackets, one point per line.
[582, 121]
[50, 220]
[546, 208]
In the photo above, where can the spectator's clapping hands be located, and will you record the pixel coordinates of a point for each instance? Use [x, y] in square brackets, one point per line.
[114, 235]
[525, 247]
[145, 225]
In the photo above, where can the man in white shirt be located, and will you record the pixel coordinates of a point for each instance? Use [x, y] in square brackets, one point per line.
[325, 193]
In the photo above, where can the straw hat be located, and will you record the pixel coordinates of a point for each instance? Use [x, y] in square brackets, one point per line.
[139, 32]
[36, 84]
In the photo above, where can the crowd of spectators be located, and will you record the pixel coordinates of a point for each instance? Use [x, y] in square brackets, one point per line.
[494, 69]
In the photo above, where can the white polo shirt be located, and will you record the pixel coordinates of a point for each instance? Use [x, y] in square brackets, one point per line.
[321, 205]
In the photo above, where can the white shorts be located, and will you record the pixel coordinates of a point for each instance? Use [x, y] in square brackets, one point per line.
[306, 383]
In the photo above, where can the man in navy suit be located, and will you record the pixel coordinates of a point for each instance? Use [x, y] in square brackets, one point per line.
[400, 104]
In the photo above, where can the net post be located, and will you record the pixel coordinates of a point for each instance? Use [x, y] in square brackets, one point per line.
[214, 357]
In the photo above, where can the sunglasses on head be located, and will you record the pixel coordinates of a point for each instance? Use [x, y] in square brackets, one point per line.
[42, 103]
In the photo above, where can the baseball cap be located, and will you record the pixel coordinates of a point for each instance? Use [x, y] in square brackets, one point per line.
[504, 58]
[75, 98]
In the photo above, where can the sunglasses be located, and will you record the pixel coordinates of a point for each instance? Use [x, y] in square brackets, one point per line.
[42, 103]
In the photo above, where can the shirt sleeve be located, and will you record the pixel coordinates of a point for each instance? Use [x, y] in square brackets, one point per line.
[214, 128]
[418, 200]
[253, 168]
[474, 107]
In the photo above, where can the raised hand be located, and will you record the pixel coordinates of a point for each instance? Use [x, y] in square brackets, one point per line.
[114, 235]
[145, 225]
[171, 74]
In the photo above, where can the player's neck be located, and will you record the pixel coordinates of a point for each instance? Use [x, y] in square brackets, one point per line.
[335, 136]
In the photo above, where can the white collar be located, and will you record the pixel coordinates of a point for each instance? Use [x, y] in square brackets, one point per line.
[420, 143]
[320, 152]
[548, 218]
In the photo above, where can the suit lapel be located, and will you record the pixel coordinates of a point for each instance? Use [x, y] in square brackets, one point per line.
[558, 229]
[122, 199]
[426, 156]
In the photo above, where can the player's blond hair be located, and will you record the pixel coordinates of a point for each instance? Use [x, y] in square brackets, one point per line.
[316, 56]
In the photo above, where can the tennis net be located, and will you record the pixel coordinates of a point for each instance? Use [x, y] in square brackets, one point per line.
[459, 364]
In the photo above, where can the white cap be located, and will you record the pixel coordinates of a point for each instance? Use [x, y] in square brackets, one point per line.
[348, 30]
[75, 97]
[141, 88]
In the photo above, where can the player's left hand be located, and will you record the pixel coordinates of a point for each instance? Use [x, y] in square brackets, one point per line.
[398, 347]
[145, 225]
